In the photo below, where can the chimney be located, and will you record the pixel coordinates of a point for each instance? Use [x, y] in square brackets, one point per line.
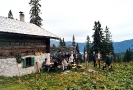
[21, 16]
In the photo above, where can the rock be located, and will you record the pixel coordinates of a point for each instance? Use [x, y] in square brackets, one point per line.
[92, 71]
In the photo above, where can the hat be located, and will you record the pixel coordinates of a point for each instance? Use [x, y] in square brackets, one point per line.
[85, 52]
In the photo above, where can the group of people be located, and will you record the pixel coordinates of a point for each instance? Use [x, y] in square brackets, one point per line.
[95, 57]
[62, 60]
[107, 60]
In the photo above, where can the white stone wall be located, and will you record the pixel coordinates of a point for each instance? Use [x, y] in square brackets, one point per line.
[9, 66]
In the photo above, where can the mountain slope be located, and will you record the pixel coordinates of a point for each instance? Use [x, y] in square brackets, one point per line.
[119, 47]
[122, 46]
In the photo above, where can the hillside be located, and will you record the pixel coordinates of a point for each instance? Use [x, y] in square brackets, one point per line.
[119, 47]
[122, 46]
[119, 78]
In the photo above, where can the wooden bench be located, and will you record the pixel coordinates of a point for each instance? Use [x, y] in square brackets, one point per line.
[74, 68]
[48, 66]
[79, 66]
[59, 68]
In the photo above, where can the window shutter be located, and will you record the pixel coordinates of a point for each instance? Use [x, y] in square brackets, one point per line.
[24, 63]
[32, 61]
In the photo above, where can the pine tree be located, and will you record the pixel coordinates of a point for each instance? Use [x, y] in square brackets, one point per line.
[60, 43]
[73, 41]
[88, 45]
[107, 40]
[118, 59]
[10, 15]
[77, 48]
[109, 43]
[97, 37]
[127, 56]
[132, 54]
[35, 11]
[84, 49]
[80, 58]
[102, 40]
[54, 45]
[63, 42]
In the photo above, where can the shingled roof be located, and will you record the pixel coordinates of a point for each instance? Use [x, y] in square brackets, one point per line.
[16, 26]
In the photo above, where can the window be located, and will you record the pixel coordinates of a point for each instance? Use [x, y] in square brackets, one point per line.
[28, 62]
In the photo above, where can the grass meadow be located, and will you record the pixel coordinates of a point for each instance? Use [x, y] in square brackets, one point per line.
[119, 78]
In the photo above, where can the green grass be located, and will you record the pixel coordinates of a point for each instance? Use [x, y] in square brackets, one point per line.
[119, 78]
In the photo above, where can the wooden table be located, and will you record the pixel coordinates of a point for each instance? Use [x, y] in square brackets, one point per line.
[48, 66]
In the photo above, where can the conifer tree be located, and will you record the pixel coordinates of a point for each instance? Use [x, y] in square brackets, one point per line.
[54, 45]
[34, 13]
[73, 41]
[108, 41]
[77, 48]
[118, 59]
[10, 15]
[127, 56]
[102, 40]
[97, 37]
[132, 54]
[107, 44]
[88, 45]
[80, 57]
[84, 49]
[60, 42]
[63, 42]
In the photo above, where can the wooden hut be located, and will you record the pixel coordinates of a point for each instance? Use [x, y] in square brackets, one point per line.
[22, 44]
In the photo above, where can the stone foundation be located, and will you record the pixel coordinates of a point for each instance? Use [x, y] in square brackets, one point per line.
[9, 66]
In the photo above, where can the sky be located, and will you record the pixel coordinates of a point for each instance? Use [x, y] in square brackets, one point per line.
[66, 18]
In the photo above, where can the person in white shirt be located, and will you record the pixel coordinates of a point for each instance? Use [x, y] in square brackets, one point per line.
[99, 57]
[64, 64]
[86, 58]
[71, 58]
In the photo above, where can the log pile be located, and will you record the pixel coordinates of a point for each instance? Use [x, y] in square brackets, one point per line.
[62, 49]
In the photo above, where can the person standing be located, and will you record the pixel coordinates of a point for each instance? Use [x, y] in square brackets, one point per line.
[86, 58]
[38, 66]
[106, 61]
[64, 64]
[71, 58]
[59, 58]
[67, 55]
[111, 57]
[77, 58]
[99, 57]
[94, 58]
[54, 56]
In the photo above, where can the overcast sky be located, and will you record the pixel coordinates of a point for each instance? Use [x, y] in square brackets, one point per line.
[66, 18]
